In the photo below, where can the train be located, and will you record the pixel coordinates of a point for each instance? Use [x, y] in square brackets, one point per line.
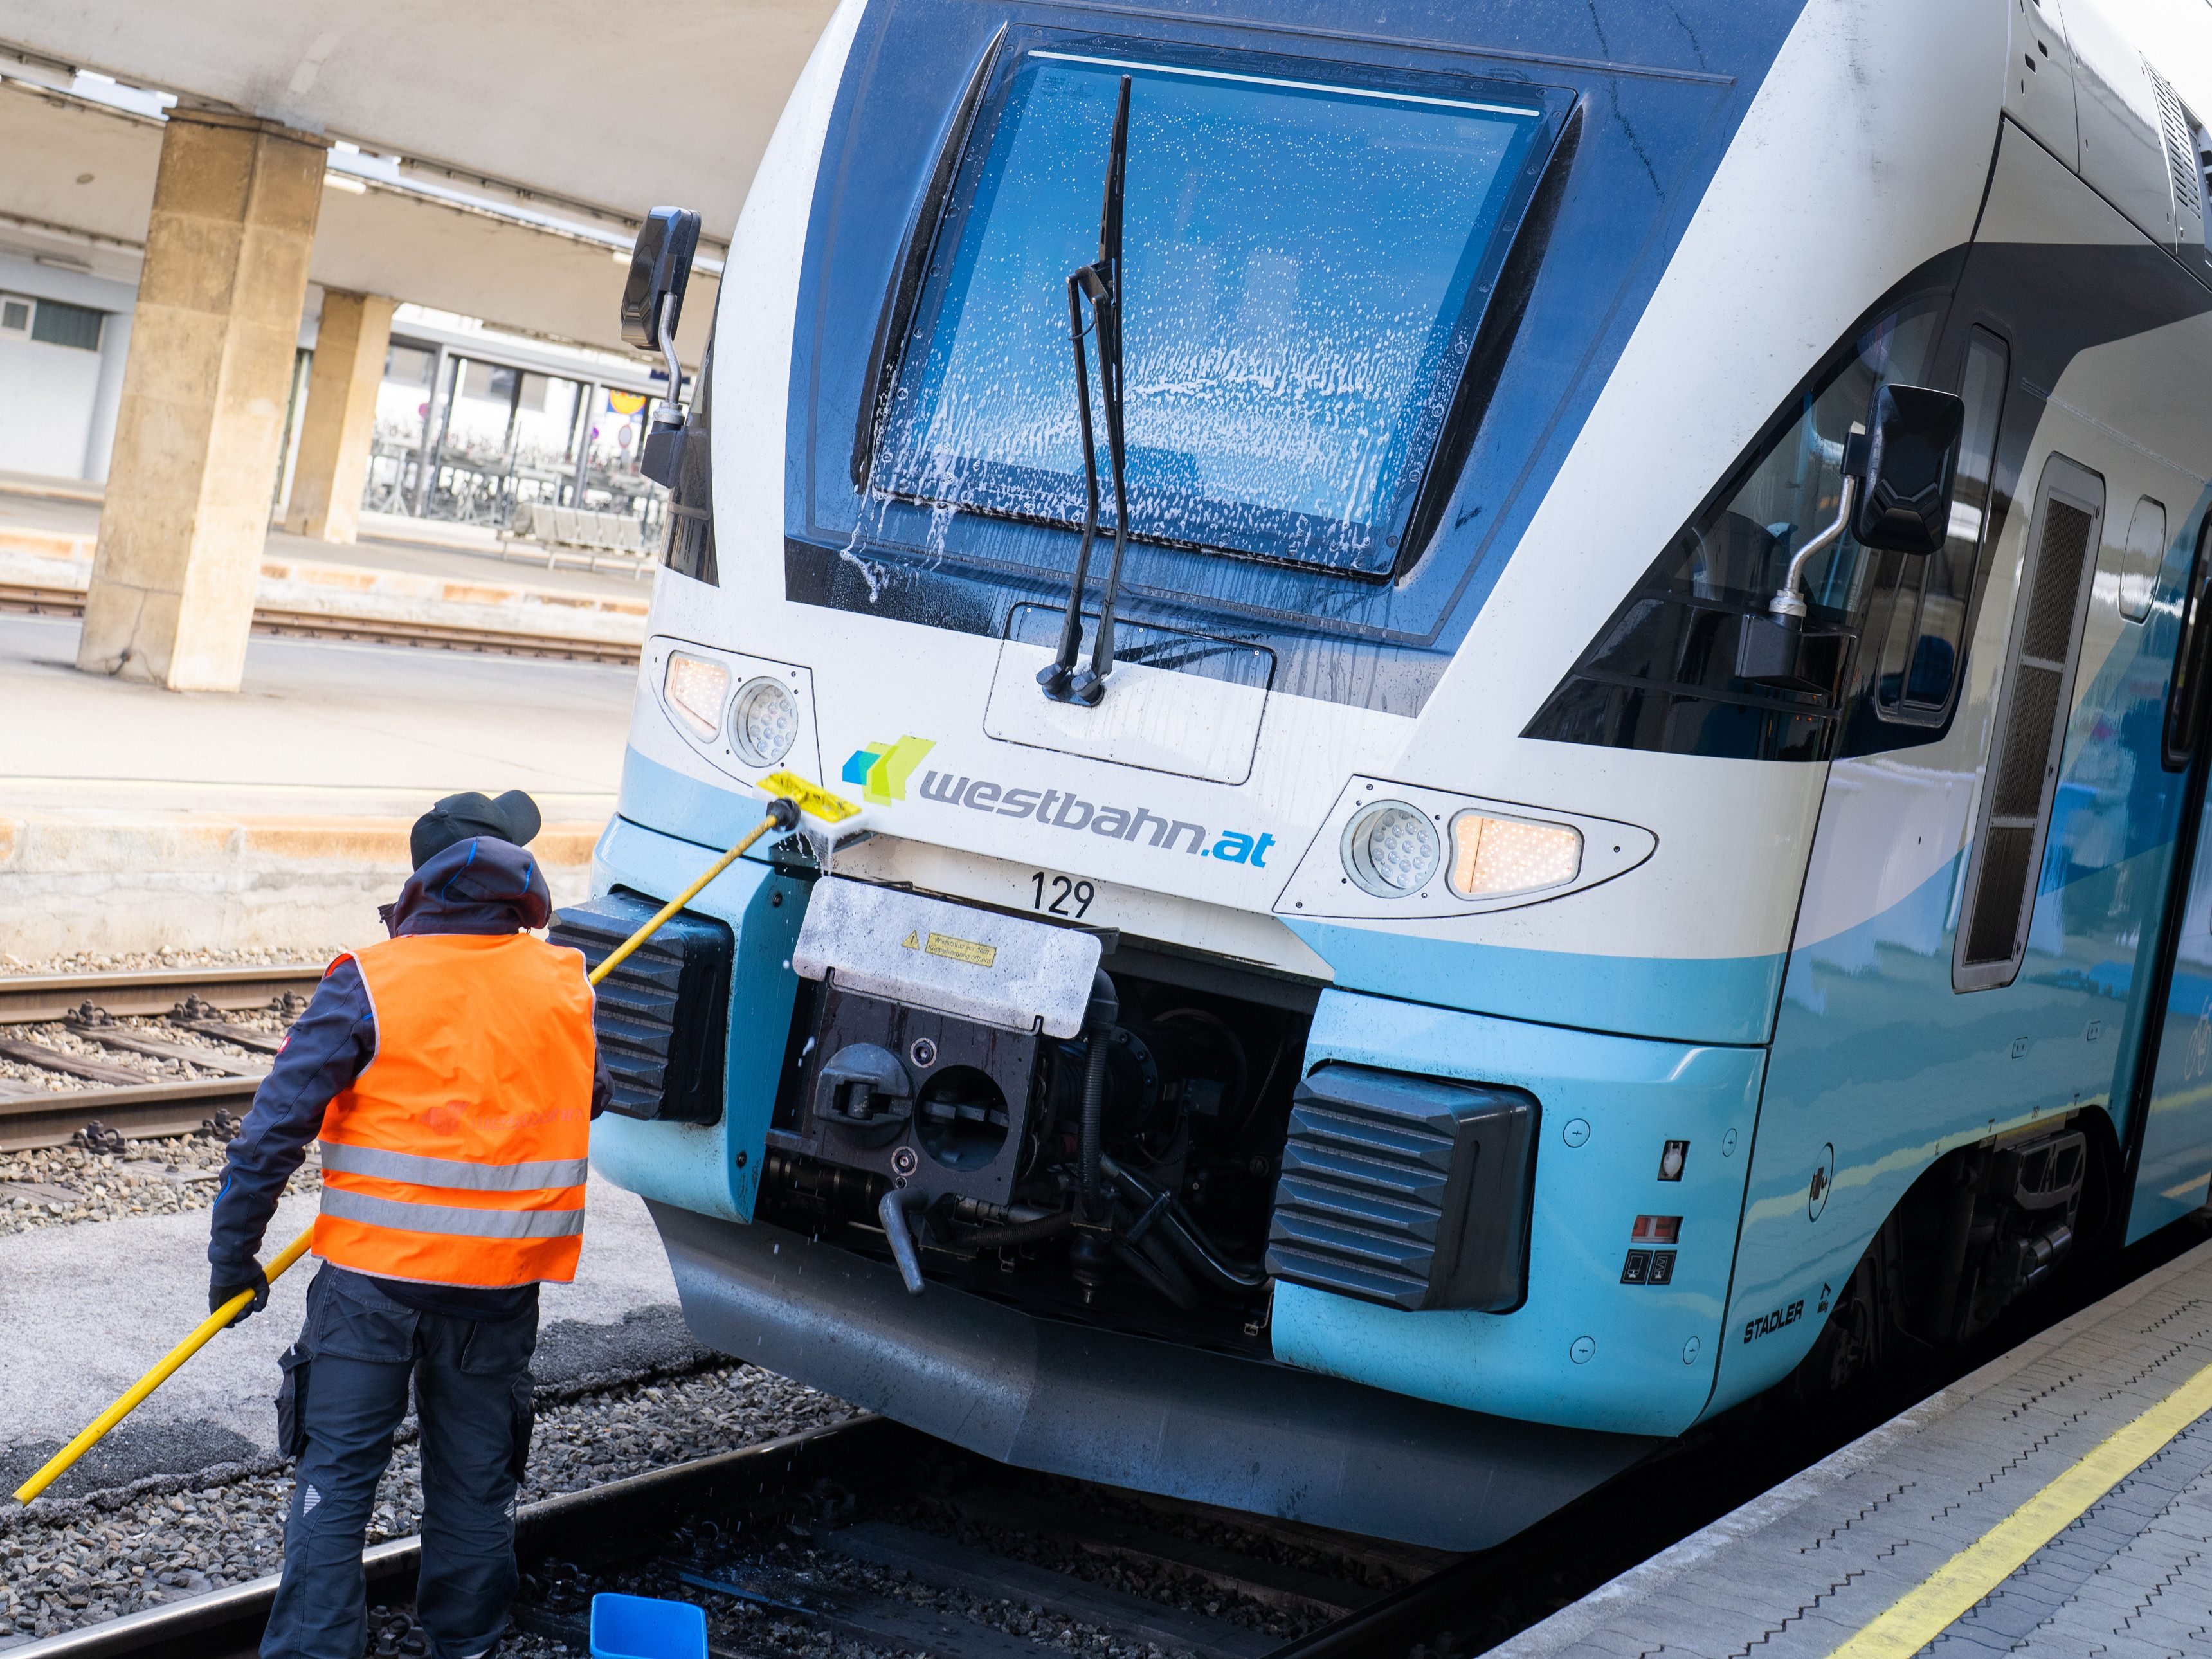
[1520, 696]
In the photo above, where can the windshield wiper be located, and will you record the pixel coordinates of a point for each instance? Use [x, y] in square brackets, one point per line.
[1099, 283]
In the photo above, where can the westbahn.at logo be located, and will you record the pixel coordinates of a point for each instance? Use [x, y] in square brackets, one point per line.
[882, 768]
[1066, 810]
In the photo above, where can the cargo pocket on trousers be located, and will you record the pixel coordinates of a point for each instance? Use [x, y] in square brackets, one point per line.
[524, 1409]
[292, 1401]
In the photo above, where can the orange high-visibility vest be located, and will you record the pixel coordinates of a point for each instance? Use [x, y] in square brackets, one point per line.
[458, 1155]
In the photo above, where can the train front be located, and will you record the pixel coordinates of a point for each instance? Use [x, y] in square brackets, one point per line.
[1247, 1059]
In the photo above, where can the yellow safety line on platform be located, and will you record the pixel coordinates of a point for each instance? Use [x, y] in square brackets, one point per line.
[1925, 1611]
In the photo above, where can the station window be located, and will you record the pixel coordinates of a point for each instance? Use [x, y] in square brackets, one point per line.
[61, 324]
[1304, 265]
[1661, 675]
[407, 365]
[15, 315]
[492, 383]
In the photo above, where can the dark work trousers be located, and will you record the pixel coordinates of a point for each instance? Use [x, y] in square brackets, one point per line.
[343, 1395]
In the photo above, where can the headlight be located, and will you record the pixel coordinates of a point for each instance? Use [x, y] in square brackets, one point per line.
[696, 689]
[1390, 849]
[1492, 857]
[764, 720]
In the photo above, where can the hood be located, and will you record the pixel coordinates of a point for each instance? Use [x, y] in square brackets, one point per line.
[480, 885]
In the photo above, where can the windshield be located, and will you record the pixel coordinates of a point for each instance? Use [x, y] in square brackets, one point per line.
[1304, 267]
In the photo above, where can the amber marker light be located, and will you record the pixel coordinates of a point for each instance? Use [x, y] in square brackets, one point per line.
[695, 690]
[1494, 858]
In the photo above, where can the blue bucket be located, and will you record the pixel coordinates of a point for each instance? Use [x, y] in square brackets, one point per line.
[646, 1627]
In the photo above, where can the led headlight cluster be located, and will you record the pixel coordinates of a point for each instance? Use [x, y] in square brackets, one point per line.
[763, 718]
[1394, 851]
[1493, 857]
[694, 690]
[1390, 849]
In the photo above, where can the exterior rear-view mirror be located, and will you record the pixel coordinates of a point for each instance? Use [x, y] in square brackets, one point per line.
[660, 269]
[652, 305]
[1912, 465]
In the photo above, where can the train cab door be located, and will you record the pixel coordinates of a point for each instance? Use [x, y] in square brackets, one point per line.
[2170, 1129]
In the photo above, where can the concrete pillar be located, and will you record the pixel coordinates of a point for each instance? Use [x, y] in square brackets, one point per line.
[334, 437]
[202, 412]
[114, 352]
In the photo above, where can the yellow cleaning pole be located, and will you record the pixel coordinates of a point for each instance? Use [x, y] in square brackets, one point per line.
[783, 819]
[145, 1385]
[793, 793]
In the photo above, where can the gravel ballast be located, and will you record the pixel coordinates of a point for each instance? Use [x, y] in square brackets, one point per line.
[77, 1562]
[50, 1186]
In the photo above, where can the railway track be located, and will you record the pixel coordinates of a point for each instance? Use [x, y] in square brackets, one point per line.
[102, 1085]
[47, 601]
[793, 1532]
[869, 1532]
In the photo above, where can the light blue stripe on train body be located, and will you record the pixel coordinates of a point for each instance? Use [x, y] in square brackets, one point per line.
[698, 1166]
[1682, 999]
[1609, 1104]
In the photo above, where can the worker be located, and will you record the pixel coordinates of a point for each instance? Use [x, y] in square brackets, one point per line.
[451, 1072]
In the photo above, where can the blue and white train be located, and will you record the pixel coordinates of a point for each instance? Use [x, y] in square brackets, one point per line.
[1637, 836]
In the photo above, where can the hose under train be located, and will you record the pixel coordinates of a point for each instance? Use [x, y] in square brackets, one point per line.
[1189, 1239]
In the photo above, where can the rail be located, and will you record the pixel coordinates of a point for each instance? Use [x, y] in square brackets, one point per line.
[228, 1621]
[194, 998]
[636, 1517]
[46, 601]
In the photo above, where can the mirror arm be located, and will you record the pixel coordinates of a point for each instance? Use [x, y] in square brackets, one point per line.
[1790, 601]
[671, 414]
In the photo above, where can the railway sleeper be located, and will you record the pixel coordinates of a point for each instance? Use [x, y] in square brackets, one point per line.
[95, 1025]
[1272, 1583]
[193, 1014]
[1130, 1618]
[54, 1060]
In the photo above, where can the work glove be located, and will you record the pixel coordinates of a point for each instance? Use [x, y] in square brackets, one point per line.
[220, 1289]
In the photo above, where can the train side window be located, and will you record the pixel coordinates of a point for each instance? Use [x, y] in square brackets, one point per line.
[1923, 647]
[2186, 698]
[2021, 772]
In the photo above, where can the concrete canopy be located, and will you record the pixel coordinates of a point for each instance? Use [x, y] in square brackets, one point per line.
[79, 185]
[614, 109]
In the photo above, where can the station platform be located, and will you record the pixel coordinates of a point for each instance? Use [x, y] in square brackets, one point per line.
[2056, 1503]
[68, 1346]
[402, 571]
[133, 818]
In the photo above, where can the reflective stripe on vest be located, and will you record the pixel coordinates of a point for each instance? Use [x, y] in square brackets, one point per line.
[459, 1155]
[445, 1219]
[454, 1171]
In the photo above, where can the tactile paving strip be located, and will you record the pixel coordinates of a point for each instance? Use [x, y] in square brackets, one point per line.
[1806, 1569]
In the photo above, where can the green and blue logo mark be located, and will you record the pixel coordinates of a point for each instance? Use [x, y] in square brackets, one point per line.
[882, 768]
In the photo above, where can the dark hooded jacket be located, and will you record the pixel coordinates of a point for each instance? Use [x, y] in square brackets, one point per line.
[481, 886]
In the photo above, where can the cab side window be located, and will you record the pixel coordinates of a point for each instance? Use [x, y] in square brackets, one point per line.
[1661, 675]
